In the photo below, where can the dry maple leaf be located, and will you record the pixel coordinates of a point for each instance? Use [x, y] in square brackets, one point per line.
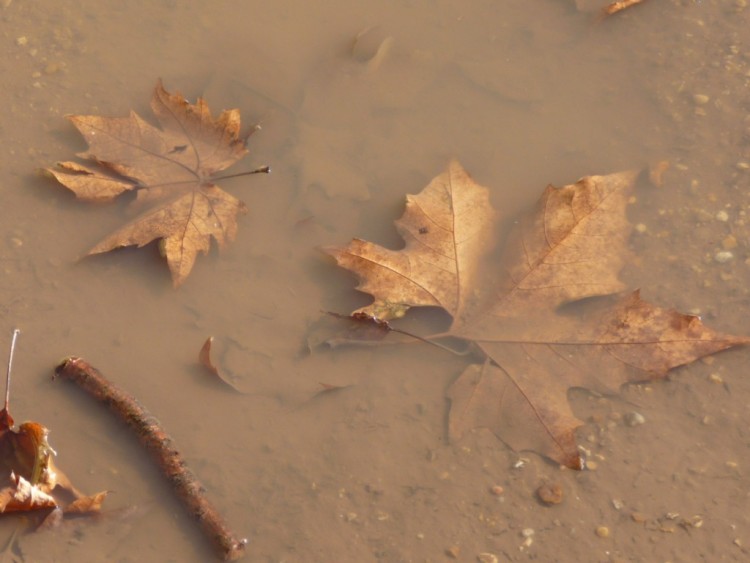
[570, 248]
[176, 163]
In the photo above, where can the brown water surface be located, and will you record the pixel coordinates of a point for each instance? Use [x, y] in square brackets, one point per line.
[523, 94]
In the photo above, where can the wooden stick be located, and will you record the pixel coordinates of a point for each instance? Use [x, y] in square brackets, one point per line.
[162, 448]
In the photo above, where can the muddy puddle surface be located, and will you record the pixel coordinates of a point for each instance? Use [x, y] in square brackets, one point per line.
[361, 103]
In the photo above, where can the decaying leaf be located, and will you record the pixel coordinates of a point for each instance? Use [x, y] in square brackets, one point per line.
[570, 249]
[176, 164]
[18, 495]
[32, 480]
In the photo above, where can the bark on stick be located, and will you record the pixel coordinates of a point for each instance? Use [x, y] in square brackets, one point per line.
[162, 448]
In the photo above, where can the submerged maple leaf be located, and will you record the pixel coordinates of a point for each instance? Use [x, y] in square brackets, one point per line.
[176, 164]
[570, 248]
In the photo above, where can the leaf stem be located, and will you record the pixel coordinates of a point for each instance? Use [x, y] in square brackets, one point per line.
[265, 169]
[16, 332]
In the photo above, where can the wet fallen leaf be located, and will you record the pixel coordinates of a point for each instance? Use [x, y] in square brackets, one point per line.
[204, 358]
[32, 480]
[18, 495]
[175, 164]
[569, 250]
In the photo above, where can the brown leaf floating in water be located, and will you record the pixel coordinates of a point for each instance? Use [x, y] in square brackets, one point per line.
[176, 164]
[569, 250]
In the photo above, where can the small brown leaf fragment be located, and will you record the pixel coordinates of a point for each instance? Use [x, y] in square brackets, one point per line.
[656, 172]
[175, 164]
[19, 495]
[619, 6]
[204, 358]
[86, 504]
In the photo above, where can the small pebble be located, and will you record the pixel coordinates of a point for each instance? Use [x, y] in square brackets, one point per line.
[497, 490]
[729, 242]
[602, 532]
[487, 558]
[527, 532]
[722, 216]
[723, 256]
[617, 504]
[742, 165]
[700, 99]
[640, 228]
[638, 517]
[634, 418]
[715, 378]
[453, 552]
[550, 493]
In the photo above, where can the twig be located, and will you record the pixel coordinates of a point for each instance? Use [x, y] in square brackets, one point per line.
[153, 437]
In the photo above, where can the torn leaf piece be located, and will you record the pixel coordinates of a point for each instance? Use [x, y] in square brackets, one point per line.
[19, 495]
[204, 358]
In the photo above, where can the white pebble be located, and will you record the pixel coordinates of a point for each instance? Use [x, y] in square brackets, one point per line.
[722, 216]
[723, 256]
[634, 418]
[701, 99]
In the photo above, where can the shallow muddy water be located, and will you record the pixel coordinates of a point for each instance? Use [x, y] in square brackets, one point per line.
[523, 94]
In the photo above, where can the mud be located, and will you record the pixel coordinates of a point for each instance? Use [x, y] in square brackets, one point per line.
[523, 95]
